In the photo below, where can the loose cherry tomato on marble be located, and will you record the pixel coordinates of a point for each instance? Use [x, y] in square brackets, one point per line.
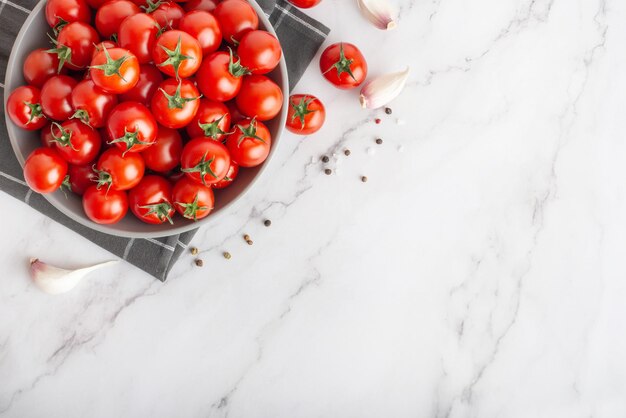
[204, 27]
[76, 142]
[176, 103]
[138, 34]
[92, 105]
[132, 127]
[343, 65]
[259, 51]
[220, 77]
[81, 178]
[212, 120]
[206, 5]
[60, 12]
[111, 15]
[149, 80]
[75, 45]
[24, 108]
[205, 161]
[45, 170]
[177, 54]
[259, 97]
[115, 70]
[236, 17]
[105, 206]
[250, 144]
[151, 200]
[56, 96]
[164, 154]
[39, 66]
[117, 171]
[305, 4]
[306, 114]
[166, 13]
[191, 199]
[230, 176]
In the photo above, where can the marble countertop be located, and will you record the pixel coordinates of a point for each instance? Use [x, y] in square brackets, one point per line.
[480, 272]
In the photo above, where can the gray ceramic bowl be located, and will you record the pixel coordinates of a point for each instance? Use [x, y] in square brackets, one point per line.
[32, 36]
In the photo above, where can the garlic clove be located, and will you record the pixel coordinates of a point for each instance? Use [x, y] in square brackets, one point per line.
[378, 12]
[54, 280]
[383, 89]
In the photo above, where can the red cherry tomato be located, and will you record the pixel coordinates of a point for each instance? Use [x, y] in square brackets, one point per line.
[259, 51]
[56, 97]
[235, 115]
[108, 44]
[45, 170]
[236, 17]
[92, 105]
[167, 14]
[177, 54]
[250, 144]
[111, 15]
[219, 77]
[138, 34]
[191, 199]
[39, 66]
[205, 161]
[151, 200]
[115, 70]
[230, 176]
[75, 45]
[149, 80]
[81, 178]
[132, 127]
[259, 97]
[96, 4]
[117, 171]
[204, 27]
[76, 142]
[343, 65]
[176, 103]
[306, 114]
[164, 154]
[105, 206]
[59, 12]
[206, 5]
[24, 108]
[212, 120]
[46, 137]
[305, 4]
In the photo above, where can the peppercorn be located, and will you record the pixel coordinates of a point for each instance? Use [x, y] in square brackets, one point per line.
[364, 179]
[194, 251]
[379, 141]
[347, 152]
[267, 222]
[199, 262]
[325, 159]
[246, 237]
[328, 171]
[249, 242]
[388, 110]
[227, 255]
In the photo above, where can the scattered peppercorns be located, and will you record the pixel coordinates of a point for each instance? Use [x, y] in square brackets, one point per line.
[226, 255]
[194, 251]
[328, 171]
[246, 237]
[267, 222]
[388, 110]
[347, 152]
[364, 179]
[377, 120]
[199, 262]
[379, 141]
[325, 159]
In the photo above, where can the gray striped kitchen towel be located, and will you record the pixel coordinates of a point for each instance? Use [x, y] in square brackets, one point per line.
[300, 37]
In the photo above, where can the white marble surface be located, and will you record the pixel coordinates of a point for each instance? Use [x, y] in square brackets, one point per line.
[479, 273]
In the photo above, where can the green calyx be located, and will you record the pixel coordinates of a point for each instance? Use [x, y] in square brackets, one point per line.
[203, 168]
[161, 210]
[65, 139]
[249, 132]
[175, 57]
[60, 25]
[176, 101]
[130, 139]
[111, 67]
[81, 115]
[103, 179]
[343, 65]
[191, 209]
[63, 52]
[300, 110]
[235, 68]
[212, 129]
[66, 185]
[151, 6]
[35, 111]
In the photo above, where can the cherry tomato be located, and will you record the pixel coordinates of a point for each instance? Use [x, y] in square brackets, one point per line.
[111, 15]
[230, 176]
[204, 160]
[177, 54]
[343, 65]
[24, 108]
[92, 105]
[206, 5]
[164, 154]
[96, 4]
[118, 171]
[115, 70]
[212, 120]
[76, 142]
[259, 97]
[81, 178]
[235, 115]
[259, 51]
[55, 97]
[39, 66]
[192, 200]
[305, 4]
[149, 80]
[46, 137]
[167, 14]
[219, 77]
[75, 45]
[151, 200]
[108, 44]
[306, 114]
[138, 34]
[204, 27]
[60, 12]
[132, 127]
[176, 103]
[45, 170]
[236, 17]
[250, 144]
[105, 206]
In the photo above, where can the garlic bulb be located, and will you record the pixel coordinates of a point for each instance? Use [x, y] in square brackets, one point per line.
[54, 280]
[378, 12]
[383, 89]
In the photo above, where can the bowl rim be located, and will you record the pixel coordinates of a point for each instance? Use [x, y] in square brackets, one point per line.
[176, 230]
